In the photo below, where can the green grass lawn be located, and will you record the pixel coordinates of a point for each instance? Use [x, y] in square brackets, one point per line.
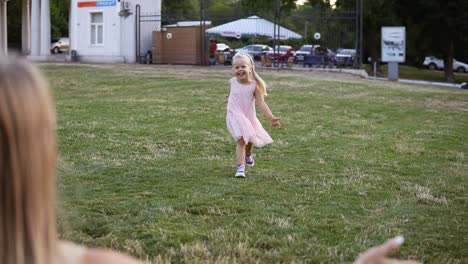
[413, 73]
[146, 166]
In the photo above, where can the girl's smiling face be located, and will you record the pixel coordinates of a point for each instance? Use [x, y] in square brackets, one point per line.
[242, 68]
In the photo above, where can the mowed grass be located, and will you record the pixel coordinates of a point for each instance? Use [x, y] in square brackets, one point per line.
[146, 167]
[413, 73]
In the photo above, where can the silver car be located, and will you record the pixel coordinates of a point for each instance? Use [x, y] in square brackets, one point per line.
[59, 45]
[255, 50]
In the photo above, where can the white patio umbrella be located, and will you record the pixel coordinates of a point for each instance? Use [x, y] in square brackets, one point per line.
[252, 26]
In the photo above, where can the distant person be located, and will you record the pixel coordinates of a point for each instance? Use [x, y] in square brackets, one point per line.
[247, 88]
[289, 53]
[227, 56]
[28, 232]
[289, 58]
[213, 48]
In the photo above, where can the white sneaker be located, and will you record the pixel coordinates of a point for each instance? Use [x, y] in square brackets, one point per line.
[240, 173]
[249, 161]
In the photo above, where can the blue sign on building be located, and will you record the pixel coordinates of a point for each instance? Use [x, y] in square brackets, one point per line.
[106, 3]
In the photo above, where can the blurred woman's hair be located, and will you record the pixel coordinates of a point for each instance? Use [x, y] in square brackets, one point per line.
[28, 233]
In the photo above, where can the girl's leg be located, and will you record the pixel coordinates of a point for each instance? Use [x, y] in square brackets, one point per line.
[240, 155]
[248, 155]
[240, 151]
[248, 149]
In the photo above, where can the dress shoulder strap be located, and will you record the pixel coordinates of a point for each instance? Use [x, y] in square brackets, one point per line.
[70, 253]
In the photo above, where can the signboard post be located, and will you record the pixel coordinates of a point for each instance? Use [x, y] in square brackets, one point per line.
[393, 49]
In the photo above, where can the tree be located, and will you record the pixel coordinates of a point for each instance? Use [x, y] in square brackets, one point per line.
[440, 27]
[14, 24]
[320, 4]
[269, 5]
[433, 27]
[59, 14]
[376, 14]
[178, 10]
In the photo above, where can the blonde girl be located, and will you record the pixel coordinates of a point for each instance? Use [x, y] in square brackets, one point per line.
[246, 90]
[28, 233]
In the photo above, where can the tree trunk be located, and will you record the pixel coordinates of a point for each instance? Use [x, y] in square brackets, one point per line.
[370, 47]
[448, 63]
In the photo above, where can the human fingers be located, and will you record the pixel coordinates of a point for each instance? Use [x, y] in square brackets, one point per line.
[378, 253]
[275, 123]
[397, 261]
[389, 246]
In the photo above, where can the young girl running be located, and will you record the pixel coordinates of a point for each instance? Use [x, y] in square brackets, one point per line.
[247, 88]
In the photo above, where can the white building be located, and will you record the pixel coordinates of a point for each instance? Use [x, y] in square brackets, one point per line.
[105, 31]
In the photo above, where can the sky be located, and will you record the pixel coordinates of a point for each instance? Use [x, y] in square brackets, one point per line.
[301, 2]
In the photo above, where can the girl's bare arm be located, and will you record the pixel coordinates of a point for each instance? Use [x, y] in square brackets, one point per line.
[260, 101]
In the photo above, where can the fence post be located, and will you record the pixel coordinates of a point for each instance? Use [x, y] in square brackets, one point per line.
[361, 14]
[137, 33]
[202, 32]
[276, 32]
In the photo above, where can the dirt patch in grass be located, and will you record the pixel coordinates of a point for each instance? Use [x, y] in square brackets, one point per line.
[447, 104]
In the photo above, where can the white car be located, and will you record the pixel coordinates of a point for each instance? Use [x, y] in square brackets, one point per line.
[222, 47]
[434, 63]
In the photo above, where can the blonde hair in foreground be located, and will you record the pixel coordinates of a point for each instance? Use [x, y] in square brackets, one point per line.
[27, 166]
[260, 82]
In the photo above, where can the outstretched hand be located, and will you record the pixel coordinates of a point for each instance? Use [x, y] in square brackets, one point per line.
[275, 122]
[378, 254]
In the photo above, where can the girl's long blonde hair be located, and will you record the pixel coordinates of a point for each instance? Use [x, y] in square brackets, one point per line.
[260, 82]
[28, 233]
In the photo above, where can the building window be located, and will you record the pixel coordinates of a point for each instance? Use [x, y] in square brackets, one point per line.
[97, 29]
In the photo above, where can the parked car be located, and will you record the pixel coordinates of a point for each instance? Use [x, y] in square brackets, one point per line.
[303, 51]
[59, 45]
[434, 63]
[281, 52]
[255, 50]
[222, 47]
[345, 57]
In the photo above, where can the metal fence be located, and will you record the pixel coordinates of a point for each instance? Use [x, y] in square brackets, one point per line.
[332, 30]
[145, 24]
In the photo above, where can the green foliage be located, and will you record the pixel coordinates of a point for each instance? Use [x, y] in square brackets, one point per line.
[262, 5]
[14, 24]
[320, 4]
[59, 18]
[444, 25]
[179, 10]
[433, 27]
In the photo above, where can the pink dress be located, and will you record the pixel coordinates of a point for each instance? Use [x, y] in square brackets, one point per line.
[241, 118]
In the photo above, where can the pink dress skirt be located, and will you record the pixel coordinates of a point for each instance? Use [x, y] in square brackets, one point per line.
[241, 118]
